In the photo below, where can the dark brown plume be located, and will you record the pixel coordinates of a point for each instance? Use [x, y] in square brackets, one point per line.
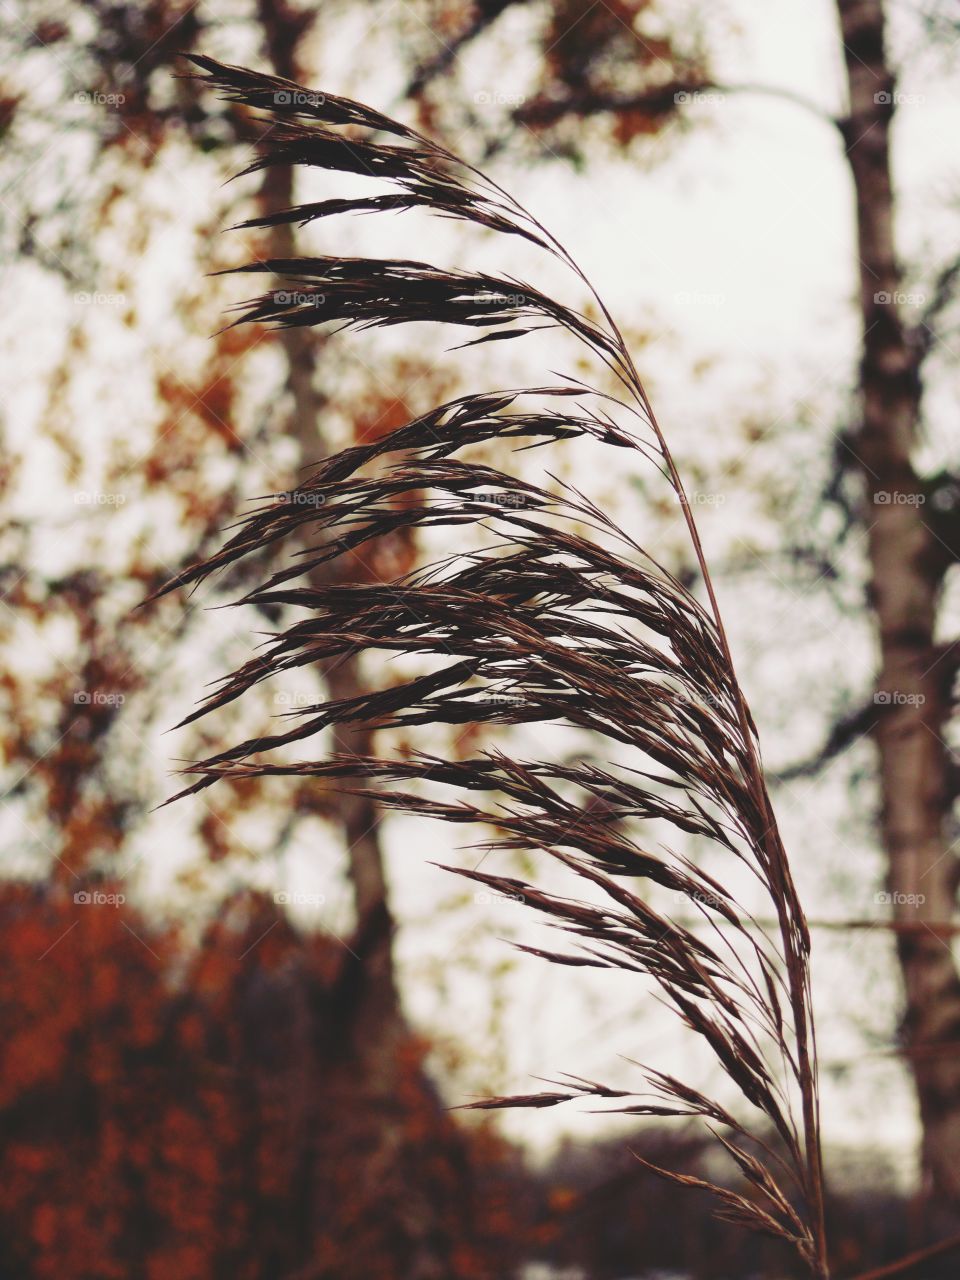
[552, 615]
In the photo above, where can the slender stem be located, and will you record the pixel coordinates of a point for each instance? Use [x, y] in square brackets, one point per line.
[790, 916]
[787, 907]
[912, 1260]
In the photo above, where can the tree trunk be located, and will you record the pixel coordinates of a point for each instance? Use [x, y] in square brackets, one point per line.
[380, 1079]
[907, 564]
[377, 1023]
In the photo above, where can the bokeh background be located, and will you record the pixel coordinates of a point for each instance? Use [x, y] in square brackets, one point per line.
[234, 1028]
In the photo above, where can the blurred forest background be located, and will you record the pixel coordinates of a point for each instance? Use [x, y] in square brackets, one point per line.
[234, 1028]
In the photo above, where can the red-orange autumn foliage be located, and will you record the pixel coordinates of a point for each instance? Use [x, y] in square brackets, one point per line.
[185, 1115]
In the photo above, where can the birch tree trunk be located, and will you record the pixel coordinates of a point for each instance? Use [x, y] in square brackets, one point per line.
[907, 562]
